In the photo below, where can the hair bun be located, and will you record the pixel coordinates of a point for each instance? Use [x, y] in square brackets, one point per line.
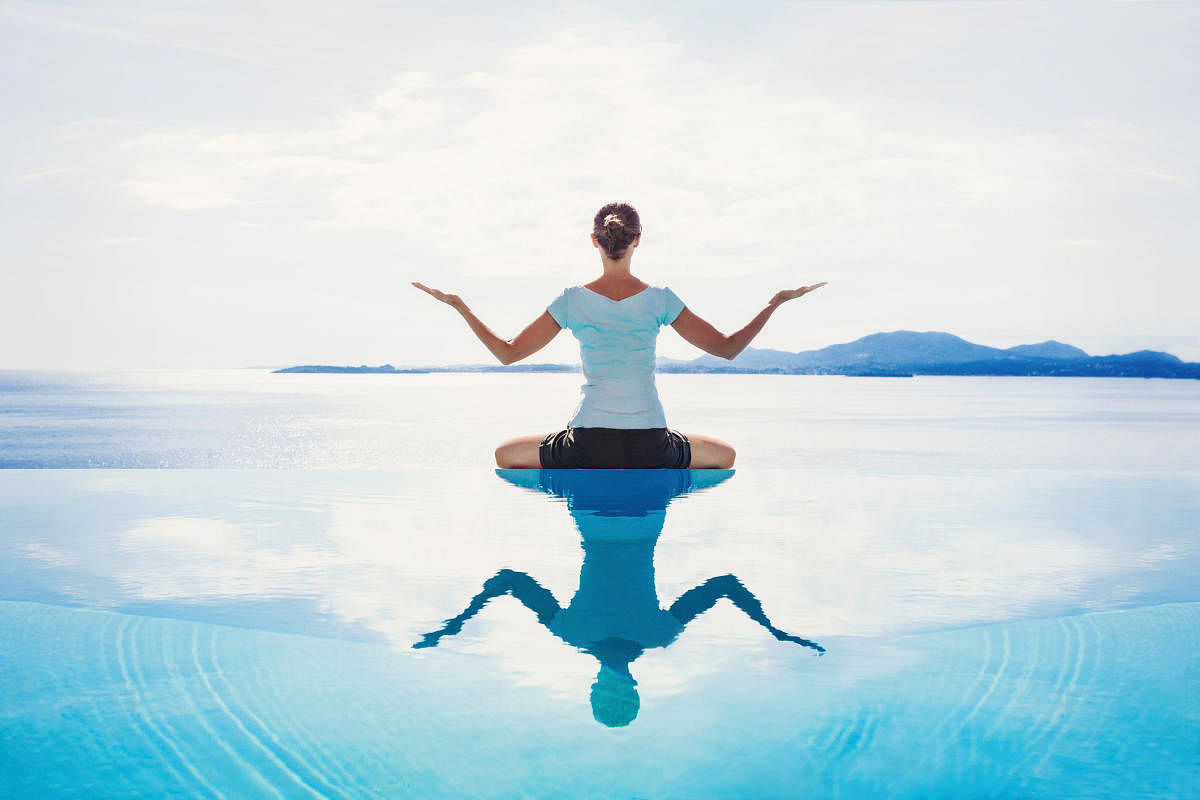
[616, 226]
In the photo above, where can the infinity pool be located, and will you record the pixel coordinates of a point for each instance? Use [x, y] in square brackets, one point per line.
[470, 633]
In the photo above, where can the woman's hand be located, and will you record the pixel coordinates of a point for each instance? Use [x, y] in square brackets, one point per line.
[536, 336]
[452, 300]
[700, 333]
[792, 294]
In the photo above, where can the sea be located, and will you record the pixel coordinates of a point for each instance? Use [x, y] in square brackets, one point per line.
[242, 584]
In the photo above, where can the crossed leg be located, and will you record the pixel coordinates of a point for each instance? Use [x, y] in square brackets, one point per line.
[707, 453]
[710, 453]
[520, 453]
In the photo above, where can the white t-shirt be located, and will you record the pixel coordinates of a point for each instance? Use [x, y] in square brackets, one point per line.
[617, 347]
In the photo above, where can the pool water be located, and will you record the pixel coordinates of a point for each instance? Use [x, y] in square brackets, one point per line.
[563, 633]
[150, 707]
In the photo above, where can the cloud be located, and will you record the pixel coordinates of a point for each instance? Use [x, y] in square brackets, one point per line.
[121, 241]
[159, 28]
[934, 163]
[472, 165]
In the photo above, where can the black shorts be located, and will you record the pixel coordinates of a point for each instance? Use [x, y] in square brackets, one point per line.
[616, 448]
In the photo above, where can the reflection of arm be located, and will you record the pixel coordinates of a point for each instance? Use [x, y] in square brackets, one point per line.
[695, 602]
[532, 595]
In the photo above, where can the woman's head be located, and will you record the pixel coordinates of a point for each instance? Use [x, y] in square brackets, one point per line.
[616, 227]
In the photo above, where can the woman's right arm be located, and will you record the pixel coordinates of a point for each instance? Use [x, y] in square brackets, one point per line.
[507, 351]
[700, 333]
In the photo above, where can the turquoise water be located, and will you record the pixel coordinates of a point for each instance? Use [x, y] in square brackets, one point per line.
[949, 588]
[143, 706]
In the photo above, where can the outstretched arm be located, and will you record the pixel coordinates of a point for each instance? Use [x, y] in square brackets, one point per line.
[703, 335]
[695, 602]
[536, 336]
[532, 595]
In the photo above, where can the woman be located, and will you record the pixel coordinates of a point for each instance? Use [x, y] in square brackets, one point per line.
[616, 318]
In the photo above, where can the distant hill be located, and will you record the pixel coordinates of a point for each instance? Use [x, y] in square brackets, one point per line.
[389, 369]
[895, 354]
[1049, 349]
[902, 353]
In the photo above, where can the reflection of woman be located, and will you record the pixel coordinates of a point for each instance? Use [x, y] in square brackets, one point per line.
[620, 421]
[615, 614]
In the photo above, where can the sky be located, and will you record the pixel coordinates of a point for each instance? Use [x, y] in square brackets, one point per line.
[229, 185]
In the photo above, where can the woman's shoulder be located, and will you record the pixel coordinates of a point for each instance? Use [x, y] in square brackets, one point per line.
[663, 293]
[648, 292]
[568, 292]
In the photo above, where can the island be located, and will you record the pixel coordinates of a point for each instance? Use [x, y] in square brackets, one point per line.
[389, 369]
[896, 354]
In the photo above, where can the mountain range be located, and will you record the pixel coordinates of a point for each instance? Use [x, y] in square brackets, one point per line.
[894, 354]
[903, 353]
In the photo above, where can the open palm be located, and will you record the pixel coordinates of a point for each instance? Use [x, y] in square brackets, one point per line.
[448, 299]
[792, 294]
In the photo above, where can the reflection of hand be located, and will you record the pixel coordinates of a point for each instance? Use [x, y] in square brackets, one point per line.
[792, 294]
[430, 640]
[784, 636]
[452, 300]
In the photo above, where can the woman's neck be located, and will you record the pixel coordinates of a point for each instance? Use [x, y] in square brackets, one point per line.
[617, 270]
[617, 282]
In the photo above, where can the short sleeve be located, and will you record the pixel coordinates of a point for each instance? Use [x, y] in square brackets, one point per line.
[672, 307]
[558, 310]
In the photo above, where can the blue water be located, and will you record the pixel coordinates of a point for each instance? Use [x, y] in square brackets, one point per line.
[942, 588]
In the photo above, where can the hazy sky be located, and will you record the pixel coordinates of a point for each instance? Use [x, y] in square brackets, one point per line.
[210, 184]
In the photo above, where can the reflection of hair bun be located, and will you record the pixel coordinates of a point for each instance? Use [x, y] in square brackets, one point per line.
[614, 697]
[615, 227]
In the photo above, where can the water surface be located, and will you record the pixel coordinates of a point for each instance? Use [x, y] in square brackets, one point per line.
[942, 587]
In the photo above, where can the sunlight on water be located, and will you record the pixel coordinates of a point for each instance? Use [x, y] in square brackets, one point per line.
[248, 418]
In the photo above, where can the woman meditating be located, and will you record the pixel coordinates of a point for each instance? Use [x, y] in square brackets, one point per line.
[616, 318]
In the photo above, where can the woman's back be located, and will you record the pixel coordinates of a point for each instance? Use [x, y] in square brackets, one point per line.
[617, 341]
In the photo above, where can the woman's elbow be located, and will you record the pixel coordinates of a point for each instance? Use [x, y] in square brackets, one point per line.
[729, 351]
[508, 355]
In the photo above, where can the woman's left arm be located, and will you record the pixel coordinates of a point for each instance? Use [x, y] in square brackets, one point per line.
[507, 351]
[700, 333]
